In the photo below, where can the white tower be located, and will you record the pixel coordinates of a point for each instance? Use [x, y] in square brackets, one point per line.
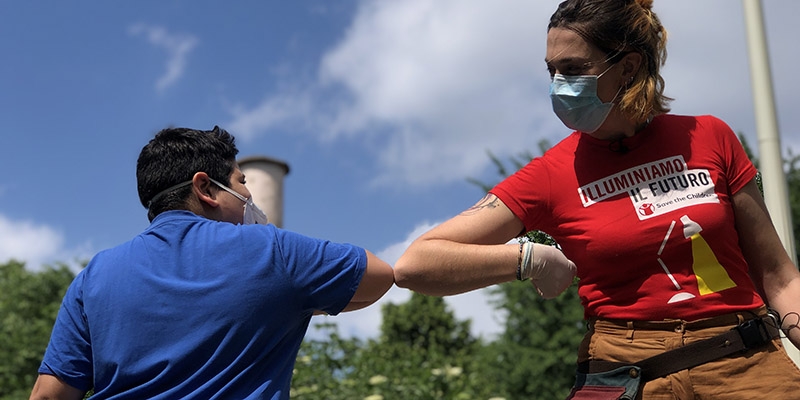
[264, 178]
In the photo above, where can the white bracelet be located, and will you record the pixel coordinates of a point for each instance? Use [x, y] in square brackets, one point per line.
[527, 260]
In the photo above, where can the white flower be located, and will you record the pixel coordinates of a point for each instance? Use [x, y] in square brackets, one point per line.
[304, 359]
[303, 390]
[378, 379]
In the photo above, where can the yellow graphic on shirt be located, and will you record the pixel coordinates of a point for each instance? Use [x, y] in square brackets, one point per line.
[711, 275]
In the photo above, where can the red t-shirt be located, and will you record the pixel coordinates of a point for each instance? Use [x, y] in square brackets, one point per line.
[651, 230]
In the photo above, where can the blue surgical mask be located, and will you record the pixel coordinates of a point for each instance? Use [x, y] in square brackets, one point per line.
[575, 101]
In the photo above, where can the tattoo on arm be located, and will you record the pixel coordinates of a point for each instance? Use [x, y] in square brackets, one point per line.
[796, 325]
[488, 201]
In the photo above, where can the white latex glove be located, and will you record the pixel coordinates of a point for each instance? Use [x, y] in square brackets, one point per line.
[549, 270]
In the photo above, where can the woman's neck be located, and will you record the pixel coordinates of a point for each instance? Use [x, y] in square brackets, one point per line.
[619, 128]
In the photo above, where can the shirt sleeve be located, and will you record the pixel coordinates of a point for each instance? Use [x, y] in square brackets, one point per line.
[738, 168]
[326, 273]
[526, 193]
[69, 353]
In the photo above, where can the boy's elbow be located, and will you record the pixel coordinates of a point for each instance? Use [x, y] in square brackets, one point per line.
[380, 281]
[377, 280]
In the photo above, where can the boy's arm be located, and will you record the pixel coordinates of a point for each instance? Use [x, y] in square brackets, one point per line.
[50, 387]
[377, 280]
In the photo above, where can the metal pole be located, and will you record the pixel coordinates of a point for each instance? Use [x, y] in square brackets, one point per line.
[776, 193]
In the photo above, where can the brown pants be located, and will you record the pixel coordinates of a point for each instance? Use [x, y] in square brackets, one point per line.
[763, 373]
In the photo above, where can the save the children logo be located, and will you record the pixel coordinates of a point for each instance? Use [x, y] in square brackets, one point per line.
[646, 209]
[654, 188]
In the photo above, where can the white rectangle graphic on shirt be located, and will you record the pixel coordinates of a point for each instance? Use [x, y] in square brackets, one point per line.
[654, 188]
[688, 188]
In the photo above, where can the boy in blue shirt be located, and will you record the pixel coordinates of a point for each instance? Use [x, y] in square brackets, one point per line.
[209, 301]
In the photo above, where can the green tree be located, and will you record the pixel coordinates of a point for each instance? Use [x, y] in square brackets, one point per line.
[326, 369]
[793, 182]
[423, 352]
[536, 354]
[792, 173]
[29, 302]
[434, 351]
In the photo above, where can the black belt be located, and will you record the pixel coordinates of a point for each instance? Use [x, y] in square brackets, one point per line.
[748, 335]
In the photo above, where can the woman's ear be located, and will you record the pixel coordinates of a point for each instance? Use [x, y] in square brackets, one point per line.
[630, 65]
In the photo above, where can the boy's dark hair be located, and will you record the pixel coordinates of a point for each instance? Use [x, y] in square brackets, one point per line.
[173, 156]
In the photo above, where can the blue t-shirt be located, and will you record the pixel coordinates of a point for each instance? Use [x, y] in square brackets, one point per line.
[196, 308]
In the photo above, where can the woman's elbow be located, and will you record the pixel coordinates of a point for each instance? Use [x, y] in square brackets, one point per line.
[413, 275]
[406, 275]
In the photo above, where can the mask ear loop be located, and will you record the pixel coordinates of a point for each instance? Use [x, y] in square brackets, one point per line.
[614, 99]
[162, 193]
[607, 69]
[229, 190]
[619, 90]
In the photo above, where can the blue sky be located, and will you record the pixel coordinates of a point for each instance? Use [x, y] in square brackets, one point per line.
[382, 109]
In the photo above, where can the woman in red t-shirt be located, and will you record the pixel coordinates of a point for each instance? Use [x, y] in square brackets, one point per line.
[658, 215]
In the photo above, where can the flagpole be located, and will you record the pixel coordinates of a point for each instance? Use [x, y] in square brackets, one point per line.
[776, 193]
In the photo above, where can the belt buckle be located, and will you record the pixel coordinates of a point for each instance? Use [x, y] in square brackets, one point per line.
[753, 332]
[774, 317]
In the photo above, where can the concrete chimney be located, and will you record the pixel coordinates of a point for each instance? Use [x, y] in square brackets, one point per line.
[264, 178]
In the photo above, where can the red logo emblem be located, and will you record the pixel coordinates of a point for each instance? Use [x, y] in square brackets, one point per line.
[646, 209]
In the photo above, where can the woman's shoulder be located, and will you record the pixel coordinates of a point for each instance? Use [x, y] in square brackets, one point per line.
[698, 120]
[707, 126]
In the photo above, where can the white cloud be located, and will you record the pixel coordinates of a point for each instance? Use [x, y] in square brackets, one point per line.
[36, 245]
[177, 47]
[435, 83]
[452, 79]
[430, 86]
[365, 323]
[393, 252]
[271, 113]
[708, 71]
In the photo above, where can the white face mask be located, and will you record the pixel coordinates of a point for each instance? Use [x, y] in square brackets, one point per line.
[252, 214]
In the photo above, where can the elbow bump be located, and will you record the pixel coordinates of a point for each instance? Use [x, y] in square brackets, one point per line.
[402, 277]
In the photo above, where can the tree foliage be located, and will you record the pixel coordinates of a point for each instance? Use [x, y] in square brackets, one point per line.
[541, 336]
[423, 352]
[29, 302]
[792, 172]
[423, 338]
[326, 369]
[793, 182]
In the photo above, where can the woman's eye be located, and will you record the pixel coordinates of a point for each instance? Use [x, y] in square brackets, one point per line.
[566, 70]
[575, 70]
